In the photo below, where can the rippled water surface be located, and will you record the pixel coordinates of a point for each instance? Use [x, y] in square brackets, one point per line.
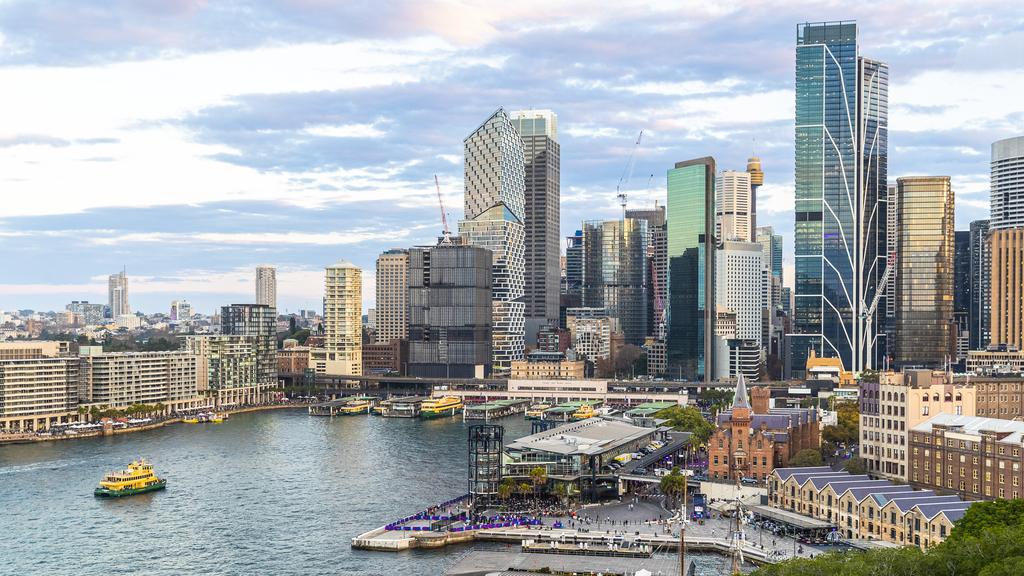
[276, 492]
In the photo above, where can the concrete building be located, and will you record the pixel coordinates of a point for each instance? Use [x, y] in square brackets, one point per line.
[738, 291]
[980, 311]
[120, 379]
[30, 349]
[547, 366]
[390, 358]
[266, 285]
[343, 322]
[1007, 254]
[733, 206]
[1007, 184]
[971, 456]
[450, 298]
[615, 273]
[117, 295]
[756, 181]
[841, 167]
[258, 321]
[37, 392]
[1001, 359]
[227, 368]
[590, 331]
[752, 438]
[541, 153]
[91, 314]
[181, 311]
[924, 287]
[691, 269]
[392, 319]
[896, 404]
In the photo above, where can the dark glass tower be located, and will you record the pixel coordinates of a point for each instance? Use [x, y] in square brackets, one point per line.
[840, 209]
[691, 270]
[980, 311]
[962, 287]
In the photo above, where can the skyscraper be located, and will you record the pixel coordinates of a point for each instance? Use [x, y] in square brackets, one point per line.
[841, 163]
[733, 205]
[980, 312]
[738, 293]
[924, 287]
[266, 285]
[962, 291]
[1008, 286]
[539, 131]
[258, 321]
[450, 311]
[572, 288]
[615, 273]
[1007, 184]
[343, 321]
[117, 295]
[494, 210]
[392, 320]
[657, 267]
[691, 269]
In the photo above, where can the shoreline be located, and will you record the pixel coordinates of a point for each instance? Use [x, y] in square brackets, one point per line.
[143, 428]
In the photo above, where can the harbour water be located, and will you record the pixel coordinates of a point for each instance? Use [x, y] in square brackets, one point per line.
[275, 492]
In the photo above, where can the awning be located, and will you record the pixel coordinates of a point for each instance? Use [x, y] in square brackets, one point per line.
[791, 518]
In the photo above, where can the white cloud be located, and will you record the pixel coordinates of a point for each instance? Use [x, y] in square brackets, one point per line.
[345, 130]
[775, 198]
[254, 238]
[957, 100]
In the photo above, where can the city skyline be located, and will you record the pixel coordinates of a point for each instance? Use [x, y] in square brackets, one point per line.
[273, 164]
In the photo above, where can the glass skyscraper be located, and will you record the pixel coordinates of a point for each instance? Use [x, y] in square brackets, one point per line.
[615, 273]
[691, 269]
[840, 209]
[980, 312]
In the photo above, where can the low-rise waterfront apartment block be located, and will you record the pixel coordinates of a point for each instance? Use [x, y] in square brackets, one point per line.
[862, 508]
[121, 379]
[38, 392]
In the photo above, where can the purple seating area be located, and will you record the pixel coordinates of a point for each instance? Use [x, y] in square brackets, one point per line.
[431, 515]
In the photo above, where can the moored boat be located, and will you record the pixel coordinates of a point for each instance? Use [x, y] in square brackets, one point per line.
[441, 407]
[536, 411]
[138, 478]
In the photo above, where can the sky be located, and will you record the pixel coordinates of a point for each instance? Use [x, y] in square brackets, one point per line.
[188, 141]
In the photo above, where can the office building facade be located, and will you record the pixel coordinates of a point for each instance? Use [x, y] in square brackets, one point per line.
[691, 270]
[615, 273]
[962, 293]
[924, 287]
[1007, 184]
[733, 206]
[657, 267]
[542, 216]
[738, 292]
[392, 318]
[840, 230]
[980, 311]
[1007, 255]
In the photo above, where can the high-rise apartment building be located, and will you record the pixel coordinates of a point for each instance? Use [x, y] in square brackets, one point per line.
[260, 322]
[980, 311]
[117, 295]
[37, 392]
[691, 269]
[392, 317]
[450, 332]
[539, 131]
[266, 285]
[924, 287]
[1007, 184]
[343, 322]
[494, 214]
[227, 367]
[615, 273]
[1008, 286]
[733, 206]
[841, 164]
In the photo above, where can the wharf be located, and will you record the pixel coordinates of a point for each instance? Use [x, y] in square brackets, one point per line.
[404, 407]
[482, 562]
[495, 409]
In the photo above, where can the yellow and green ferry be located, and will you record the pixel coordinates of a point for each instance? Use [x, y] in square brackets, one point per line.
[583, 413]
[360, 405]
[441, 407]
[536, 411]
[139, 478]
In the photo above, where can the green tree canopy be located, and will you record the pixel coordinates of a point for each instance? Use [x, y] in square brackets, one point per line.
[687, 419]
[807, 457]
[856, 465]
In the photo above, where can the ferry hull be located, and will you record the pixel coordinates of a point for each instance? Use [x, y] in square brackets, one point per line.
[448, 412]
[107, 493]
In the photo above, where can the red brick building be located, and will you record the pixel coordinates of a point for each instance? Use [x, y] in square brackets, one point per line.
[753, 440]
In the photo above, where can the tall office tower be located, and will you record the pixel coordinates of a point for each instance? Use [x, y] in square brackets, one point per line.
[572, 288]
[892, 240]
[962, 292]
[343, 321]
[1007, 184]
[539, 131]
[1008, 286]
[691, 269]
[450, 311]
[615, 273]
[772, 319]
[260, 322]
[494, 209]
[117, 295]
[266, 285]
[733, 206]
[657, 267]
[924, 289]
[181, 311]
[392, 296]
[756, 181]
[771, 245]
[841, 163]
[738, 293]
[980, 312]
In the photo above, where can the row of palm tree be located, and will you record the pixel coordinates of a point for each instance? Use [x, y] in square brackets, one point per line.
[133, 411]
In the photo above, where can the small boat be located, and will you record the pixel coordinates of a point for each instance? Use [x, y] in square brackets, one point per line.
[139, 478]
[584, 412]
[536, 411]
[440, 407]
[191, 420]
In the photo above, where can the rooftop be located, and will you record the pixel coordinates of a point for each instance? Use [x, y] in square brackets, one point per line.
[974, 425]
[589, 437]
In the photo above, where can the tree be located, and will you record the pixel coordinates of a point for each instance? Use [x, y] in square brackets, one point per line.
[672, 485]
[806, 457]
[538, 478]
[856, 465]
[687, 419]
[506, 488]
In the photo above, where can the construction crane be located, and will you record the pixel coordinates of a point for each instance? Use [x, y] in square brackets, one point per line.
[627, 173]
[446, 239]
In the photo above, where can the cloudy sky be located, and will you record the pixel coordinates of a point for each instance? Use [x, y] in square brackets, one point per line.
[188, 141]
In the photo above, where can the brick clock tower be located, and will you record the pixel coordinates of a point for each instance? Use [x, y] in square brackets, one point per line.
[740, 431]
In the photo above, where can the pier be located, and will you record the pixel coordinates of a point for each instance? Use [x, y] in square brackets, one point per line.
[495, 409]
[404, 407]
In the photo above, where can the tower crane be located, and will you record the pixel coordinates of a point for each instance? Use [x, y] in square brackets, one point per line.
[627, 173]
[447, 234]
[868, 314]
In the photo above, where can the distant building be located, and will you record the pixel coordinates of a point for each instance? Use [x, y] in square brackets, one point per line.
[389, 358]
[181, 311]
[999, 396]
[392, 321]
[1007, 184]
[591, 332]
[117, 295]
[999, 359]
[121, 379]
[1008, 284]
[962, 293]
[266, 285]
[615, 273]
[37, 391]
[733, 206]
[547, 366]
[657, 267]
[91, 314]
[258, 321]
[293, 360]
[343, 322]
[738, 291]
[980, 311]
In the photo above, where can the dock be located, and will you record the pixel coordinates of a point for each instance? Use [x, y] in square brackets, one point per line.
[331, 408]
[404, 407]
[495, 409]
[563, 412]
